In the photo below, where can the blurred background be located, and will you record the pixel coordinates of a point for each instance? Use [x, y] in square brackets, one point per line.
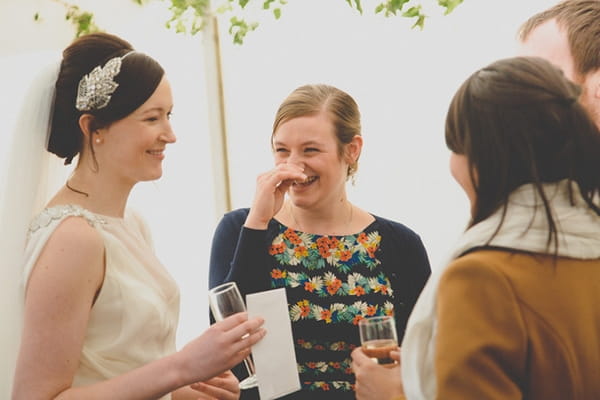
[402, 78]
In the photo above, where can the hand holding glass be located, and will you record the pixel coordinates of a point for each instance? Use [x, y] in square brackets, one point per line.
[378, 337]
[226, 300]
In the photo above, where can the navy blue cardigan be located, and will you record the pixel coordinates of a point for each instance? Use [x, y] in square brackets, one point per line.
[241, 254]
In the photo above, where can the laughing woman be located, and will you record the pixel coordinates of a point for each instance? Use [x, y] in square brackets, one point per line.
[337, 262]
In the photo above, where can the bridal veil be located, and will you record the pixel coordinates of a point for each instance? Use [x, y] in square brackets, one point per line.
[28, 176]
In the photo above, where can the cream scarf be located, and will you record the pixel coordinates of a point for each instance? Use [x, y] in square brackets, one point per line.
[524, 228]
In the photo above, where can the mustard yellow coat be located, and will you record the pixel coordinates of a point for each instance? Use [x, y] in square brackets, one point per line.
[518, 326]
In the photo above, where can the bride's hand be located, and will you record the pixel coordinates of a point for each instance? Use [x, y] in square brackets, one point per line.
[223, 387]
[270, 192]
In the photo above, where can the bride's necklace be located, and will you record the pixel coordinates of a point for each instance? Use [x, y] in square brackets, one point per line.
[76, 190]
[346, 228]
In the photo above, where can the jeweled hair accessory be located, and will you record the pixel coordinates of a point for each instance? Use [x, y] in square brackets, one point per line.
[95, 89]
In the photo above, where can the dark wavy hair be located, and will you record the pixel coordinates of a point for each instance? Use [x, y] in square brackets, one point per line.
[138, 79]
[518, 122]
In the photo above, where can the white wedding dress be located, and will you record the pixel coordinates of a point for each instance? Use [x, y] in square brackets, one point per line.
[134, 318]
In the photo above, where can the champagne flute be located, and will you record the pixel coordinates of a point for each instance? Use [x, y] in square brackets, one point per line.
[226, 300]
[378, 337]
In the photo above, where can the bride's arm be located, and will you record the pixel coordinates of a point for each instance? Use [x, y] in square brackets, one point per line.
[223, 387]
[59, 297]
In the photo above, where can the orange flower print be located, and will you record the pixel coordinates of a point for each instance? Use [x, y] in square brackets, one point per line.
[362, 238]
[334, 243]
[305, 345]
[272, 250]
[278, 248]
[383, 289]
[324, 242]
[292, 236]
[356, 319]
[324, 245]
[334, 286]
[338, 346]
[304, 308]
[278, 274]
[325, 253]
[371, 251]
[325, 386]
[300, 251]
[345, 255]
[311, 365]
[326, 315]
[357, 291]
[309, 286]
[371, 310]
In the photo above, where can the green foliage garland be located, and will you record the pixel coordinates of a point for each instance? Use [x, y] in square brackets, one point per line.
[189, 16]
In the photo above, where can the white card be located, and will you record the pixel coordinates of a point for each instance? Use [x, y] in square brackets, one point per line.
[274, 356]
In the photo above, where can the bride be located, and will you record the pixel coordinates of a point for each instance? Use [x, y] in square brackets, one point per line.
[98, 309]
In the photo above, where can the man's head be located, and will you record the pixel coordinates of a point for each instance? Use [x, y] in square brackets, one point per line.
[568, 35]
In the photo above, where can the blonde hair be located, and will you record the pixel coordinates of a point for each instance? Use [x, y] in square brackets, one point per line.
[312, 99]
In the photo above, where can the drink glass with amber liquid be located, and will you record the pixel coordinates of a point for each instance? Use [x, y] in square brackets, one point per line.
[378, 337]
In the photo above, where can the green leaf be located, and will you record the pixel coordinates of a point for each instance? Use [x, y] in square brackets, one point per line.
[180, 27]
[223, 8]
[267, 4]
[358, 6]
[412, 12]
[187, 16]
[450, 5]
[420, 22]
[392, 7]
[239, 28]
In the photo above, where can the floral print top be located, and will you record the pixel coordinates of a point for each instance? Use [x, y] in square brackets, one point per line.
[332, 282]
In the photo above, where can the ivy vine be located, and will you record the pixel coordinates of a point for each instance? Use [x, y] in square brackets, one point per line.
[189, 16]
[81, 19]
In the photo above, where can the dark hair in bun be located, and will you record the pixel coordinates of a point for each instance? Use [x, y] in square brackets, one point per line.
[138, 78]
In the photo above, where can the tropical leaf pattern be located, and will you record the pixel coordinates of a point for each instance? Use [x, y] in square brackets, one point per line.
[332, 282]
[315, 252]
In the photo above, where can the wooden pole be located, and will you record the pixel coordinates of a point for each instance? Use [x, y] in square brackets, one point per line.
[216, 116]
